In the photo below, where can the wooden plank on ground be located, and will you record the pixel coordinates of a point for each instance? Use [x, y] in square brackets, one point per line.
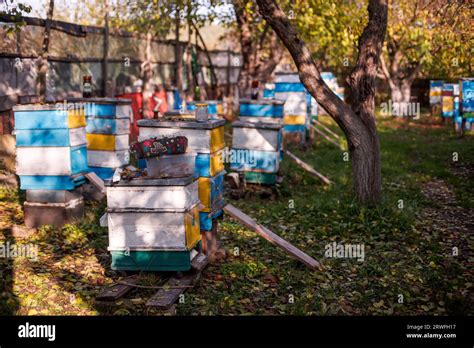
[117, 291]
[308, 168]
[96, 181]
[272, 237]
[327, 138]
[199, 262]
[327, 129]
[165, 298]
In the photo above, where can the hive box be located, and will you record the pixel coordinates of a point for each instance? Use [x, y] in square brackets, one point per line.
[153, 231]
[60, 137]
[203, 137]
[48, 116]
[171, 165]
[267, 109]
[107, 142]
[111, 159]
[256, 136]
[178, 194]
[56, 214]
[62, 161]
[53, 196]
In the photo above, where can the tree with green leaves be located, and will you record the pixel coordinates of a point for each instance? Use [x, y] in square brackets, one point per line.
[423, 36]
[356, 120]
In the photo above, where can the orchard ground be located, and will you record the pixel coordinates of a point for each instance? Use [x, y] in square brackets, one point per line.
[418, 243]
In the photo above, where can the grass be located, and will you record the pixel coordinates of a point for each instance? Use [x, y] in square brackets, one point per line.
[408, 266]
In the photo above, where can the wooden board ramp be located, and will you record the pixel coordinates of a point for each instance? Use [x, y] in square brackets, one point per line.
[327, 129]
[327, 138]
[308, 168]
[95, 180]
[272, 237]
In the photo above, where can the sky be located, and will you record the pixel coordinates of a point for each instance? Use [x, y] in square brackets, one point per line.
[39, 7]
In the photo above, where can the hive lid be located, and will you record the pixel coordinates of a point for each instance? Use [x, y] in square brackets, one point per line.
[152, 182]
[121, 101]
[258, 125]
[191, 124]
[204, 102]
[262, 101]
[38, 107]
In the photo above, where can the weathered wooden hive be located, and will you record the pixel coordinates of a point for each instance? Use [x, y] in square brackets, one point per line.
[256, 150]
[51, 161]
[289, 88]
[153, 223]
[263, 110]
[206, 140]
[467, 101]
[448, 100]
[108, 131]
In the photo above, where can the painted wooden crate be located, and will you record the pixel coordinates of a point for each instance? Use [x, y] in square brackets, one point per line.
[171, 165]
[56, 161]
[256, 136]
[59, 137]
[435, 93]
[53, 196]
[255, 161]
[467, 98]
[110, 159]
[51, 182]
[284, 87]
[263, 109]
[209, 164]
[295, 102]
[105, 107]
[177, 194]
[48, 116]
[211, 192]
[448, 100]
[153, 261]
[260, 178]
[107, 142]
[103, 172]
[56, 214]
[203, 137]
[107, 125]
[153, 231]
[287, 76]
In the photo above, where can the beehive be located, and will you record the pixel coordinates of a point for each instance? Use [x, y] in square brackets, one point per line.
[153, 223]
[448, 100]
[206, 139]
[51, 160]
[256, 150]
[108, 133]
[289, 88]
[266, 110]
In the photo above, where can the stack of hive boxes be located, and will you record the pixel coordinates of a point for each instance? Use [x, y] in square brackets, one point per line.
[448, 100]
[206, 140]
[257, 140]
[289, 88]
[436, 90]
[51, 161]
[153, 223]
[467, 101]
[108, 131]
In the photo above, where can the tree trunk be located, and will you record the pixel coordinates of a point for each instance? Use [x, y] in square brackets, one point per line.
[178, 55]
[357, 121]
[400, 92]
[42, 61]
[147, 73]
